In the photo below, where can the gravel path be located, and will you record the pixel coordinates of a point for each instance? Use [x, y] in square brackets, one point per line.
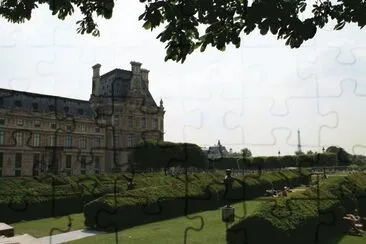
[69, 236]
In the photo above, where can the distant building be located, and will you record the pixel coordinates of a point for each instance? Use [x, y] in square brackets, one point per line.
[41, 133]
[217, 151]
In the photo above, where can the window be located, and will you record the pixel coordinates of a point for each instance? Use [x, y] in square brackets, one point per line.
[69, 140]
[36, 164]
[129, 141]
[116, 140]
[18, 164]
[19, 138]
[97, 130]
[2, 121]
[83, 142]
[97, 141]
[36, 139]
[68, 161]
[155, 124]
[52, 140]
[97, 164]
[37, 123]
[143, 123]
[83, 165]
[1, 163]
[53, 125]
[130, 121]
[2, 137]
[20, 122]
[115, 120]
[82, 128]
[68, 128]
[137, 123]
[161, 125]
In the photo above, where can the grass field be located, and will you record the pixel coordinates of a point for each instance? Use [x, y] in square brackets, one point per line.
[43, 227]
[204, 227]
[176, 230]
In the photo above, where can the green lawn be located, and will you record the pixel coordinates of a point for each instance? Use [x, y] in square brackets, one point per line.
[43, 227]
[173, 231]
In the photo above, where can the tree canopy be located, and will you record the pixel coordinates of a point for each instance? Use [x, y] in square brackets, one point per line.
[224, 20]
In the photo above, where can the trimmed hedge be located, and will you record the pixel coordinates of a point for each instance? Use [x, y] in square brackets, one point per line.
[296, 219]
[27, 198]
[314, 160]
[159, 155]
[204, 191]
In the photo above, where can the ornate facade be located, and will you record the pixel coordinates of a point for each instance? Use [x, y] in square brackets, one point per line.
[41, 133]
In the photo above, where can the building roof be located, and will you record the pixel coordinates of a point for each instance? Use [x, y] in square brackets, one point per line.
[34, 102]
[117, 84]
[113, 84]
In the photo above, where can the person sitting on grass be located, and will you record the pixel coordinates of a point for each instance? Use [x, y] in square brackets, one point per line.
[355, 221]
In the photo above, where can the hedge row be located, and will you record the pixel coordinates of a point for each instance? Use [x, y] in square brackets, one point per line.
[204, 191]
[159, 155]
[27, 198]
[319, 159]
[308, 217]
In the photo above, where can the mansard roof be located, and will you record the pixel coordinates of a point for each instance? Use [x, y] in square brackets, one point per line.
[34, 102]
[116, 83]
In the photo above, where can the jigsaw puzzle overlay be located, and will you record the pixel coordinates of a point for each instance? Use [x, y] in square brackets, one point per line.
[245, 113]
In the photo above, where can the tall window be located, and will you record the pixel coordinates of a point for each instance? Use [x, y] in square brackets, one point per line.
[36, 139]
[18, 164]
[143, 123]
[155, 124]
[37, 123]
[115, 120]
[69, 140]
[129, 141]
[130, 121]
[36, 164]
[2, 121]
[82, 165]
[116, 140]
[83, 142]
[68, 161]
[2, 135]
[1, 163]
[53, 125]
[97, 164]
[19, 138]
[82, 128]
[52, 140]
[97, 141]
[137, 123]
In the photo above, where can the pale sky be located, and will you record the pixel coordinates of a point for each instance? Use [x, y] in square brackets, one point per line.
[256, 96]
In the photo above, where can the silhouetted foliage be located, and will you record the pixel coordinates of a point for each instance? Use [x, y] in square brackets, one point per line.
[224, 20]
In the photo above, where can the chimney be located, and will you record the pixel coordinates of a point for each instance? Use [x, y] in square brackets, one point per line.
[96, 79]
[135, 67]
[96, 70]
[145, 77]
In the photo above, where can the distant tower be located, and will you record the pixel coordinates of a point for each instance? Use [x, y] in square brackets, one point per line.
[298, 141]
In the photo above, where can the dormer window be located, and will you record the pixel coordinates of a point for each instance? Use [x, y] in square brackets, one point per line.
[18, 103]
[37, 123]
[35, 106]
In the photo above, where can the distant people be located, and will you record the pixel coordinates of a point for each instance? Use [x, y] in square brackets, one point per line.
[355, 222]
[130, 184]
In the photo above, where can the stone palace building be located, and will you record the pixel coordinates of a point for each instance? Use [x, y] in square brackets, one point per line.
[42, 133]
